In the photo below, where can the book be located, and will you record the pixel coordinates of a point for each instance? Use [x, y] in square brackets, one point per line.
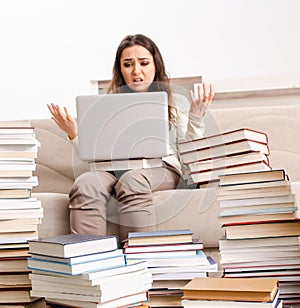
[223, 138]
[252, 177]
[15, 173]
[104, 287]
[71, 245]
[237, 190]
[258, 242]
[276, 303]
[213, 175]
[15, 124]
[17, 237]
[13, 204]
[79, 259]
[14, 295]
[160, 237]
[241, 289]
[7, 253]
[75, 268]
[100, 277]
[19, 142]
[38, 303]
[229, 161]
[199, 259]
[125, 164]
[13, 245]
[257, 217]
[22, 152]
[119, 302]
[21, 214]
[239, 147]
[13, 265]
[17, 182]
[126, 290]
[15, 193]
[166, 247]
[162, 254]
[258, 254]
[165, 298]
[262, 229]
[282, 201]
[14, 279]
[184, 269]
[239, 266]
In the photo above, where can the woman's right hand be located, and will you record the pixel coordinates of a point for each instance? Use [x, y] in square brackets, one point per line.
[63, 120]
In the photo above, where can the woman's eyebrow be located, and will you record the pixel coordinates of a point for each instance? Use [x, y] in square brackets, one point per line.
[140, 59]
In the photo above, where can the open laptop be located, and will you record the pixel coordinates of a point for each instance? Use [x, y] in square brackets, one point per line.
[123, 126]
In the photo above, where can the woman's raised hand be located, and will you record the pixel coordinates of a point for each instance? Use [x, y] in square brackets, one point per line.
[63, 120]
[200, 104]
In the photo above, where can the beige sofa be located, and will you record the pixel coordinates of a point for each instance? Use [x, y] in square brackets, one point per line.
[197, 209]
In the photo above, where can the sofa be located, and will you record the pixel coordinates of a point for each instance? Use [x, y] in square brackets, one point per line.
[186, 207]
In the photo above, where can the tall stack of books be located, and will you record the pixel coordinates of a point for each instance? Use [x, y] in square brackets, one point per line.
[20, 214]
[241, 150]
[173, 258]
[258, 213]
[224, 292]
[81, 270]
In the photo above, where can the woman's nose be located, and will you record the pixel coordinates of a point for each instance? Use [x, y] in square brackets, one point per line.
[136, 68]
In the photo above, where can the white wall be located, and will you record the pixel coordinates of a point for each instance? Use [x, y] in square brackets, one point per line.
[51, 49]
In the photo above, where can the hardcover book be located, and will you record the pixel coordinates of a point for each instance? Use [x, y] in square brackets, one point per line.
[238, 147]
[223, 138]
[71, 245]
[160, 237]
[252, 177]
[241, 289]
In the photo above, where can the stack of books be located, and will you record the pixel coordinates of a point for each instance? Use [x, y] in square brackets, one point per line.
[173, 259]
[81, 270]
[224, 292]
[20, 214]
[234, 151]
[259, 215]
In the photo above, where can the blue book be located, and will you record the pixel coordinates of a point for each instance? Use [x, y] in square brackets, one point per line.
[75, 269]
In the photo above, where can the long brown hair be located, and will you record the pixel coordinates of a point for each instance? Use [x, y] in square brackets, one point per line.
[161, 80]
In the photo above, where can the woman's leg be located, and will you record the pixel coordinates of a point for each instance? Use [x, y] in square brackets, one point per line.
[88, 201]
[134, 194]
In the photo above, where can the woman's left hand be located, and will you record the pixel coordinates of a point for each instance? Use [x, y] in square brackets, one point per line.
[200, 104]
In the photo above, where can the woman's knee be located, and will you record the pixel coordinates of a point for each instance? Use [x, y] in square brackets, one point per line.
[133, 181]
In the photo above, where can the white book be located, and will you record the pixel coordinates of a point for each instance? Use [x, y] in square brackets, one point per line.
[18, 182]
[23, 213]
[76, 280]
[19, 204]
[19, 141]
[126, 291]
[119, 302]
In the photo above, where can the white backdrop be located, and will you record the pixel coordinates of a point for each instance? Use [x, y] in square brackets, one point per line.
[52, 49]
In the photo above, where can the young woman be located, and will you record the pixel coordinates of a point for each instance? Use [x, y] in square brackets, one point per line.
[138, 67]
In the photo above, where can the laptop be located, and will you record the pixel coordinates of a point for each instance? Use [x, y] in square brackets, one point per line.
[123, 126]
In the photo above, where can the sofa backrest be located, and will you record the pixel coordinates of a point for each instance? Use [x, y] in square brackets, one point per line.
[58, 164]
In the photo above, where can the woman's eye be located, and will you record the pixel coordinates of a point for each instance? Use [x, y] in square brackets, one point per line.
[144, 63]
[127, 64]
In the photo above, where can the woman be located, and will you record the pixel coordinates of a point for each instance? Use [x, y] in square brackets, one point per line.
[138, 67]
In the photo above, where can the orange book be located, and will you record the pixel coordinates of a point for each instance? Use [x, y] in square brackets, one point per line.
[241, 289]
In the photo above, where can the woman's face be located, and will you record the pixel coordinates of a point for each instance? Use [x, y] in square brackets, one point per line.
[137, 68]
